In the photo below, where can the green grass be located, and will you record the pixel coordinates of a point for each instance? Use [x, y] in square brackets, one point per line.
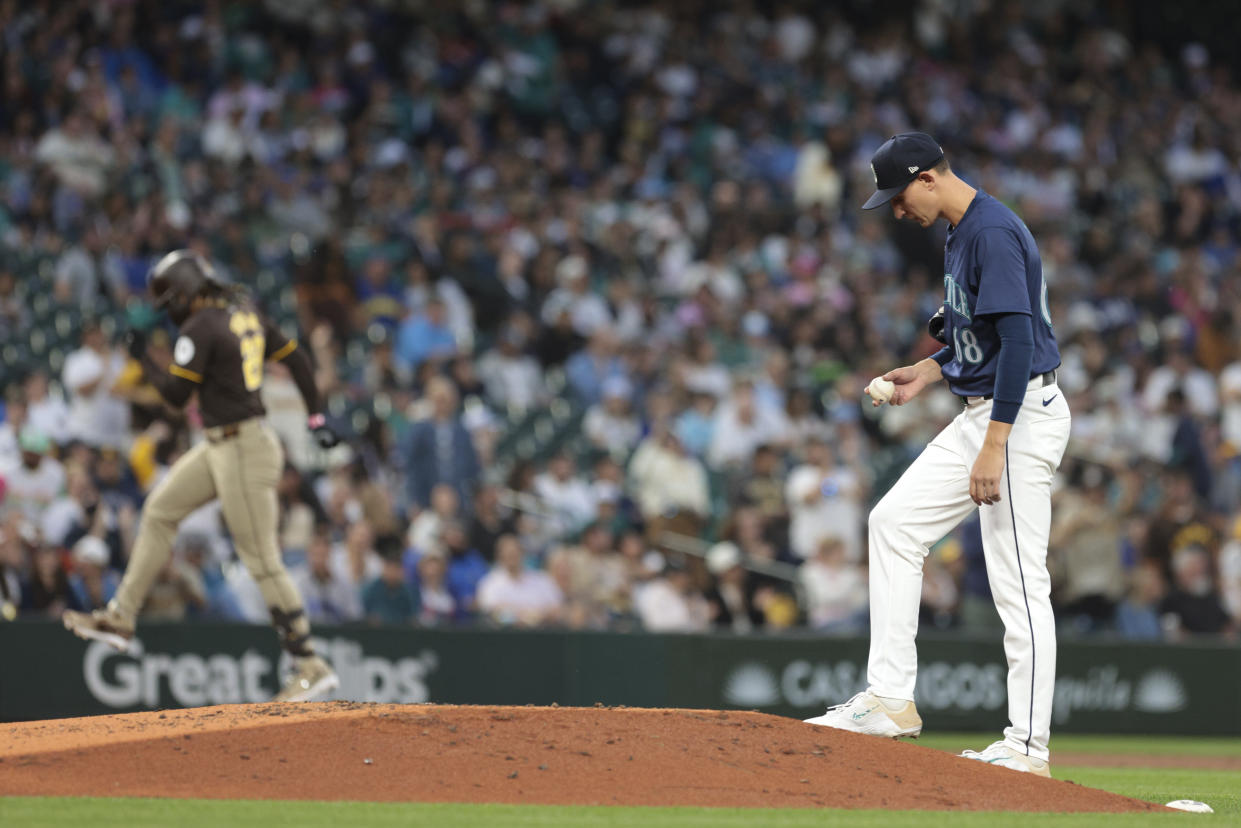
[1075, 743]
[138, 813]
[1221, 789]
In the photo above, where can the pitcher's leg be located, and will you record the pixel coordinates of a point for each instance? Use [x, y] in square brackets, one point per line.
[931, 497]
[1015, 533]
[246, 470]
[186, 486]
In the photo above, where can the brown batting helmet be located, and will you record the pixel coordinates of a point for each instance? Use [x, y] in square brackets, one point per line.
[178, 279]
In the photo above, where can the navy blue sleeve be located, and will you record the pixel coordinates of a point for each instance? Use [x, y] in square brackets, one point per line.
[1012, 370]
[943, 356]
[1002, 284]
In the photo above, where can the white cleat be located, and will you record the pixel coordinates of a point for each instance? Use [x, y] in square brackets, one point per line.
[864, 713]
[1003, 756]
[311, 678]
[104, 625]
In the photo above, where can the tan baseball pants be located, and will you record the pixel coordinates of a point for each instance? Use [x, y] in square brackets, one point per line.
[240, 464]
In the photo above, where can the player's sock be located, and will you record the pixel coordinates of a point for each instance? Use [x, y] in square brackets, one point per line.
[287, 613]
[892, 704]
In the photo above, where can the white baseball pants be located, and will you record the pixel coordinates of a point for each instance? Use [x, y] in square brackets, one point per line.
[930, 499]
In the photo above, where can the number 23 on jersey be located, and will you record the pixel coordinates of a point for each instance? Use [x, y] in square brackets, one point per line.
[245, 326]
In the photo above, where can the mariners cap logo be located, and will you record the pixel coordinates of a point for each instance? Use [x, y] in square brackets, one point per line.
[898, 161]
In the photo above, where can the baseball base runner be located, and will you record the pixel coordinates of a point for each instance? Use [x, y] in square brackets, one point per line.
[1000, 453]
[220, 352]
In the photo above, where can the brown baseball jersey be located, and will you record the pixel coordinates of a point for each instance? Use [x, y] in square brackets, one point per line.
[220, 353]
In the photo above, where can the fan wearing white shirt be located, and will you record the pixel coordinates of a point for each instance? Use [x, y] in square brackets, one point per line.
[587, 309]
[437, 605]
[14, 420]
[355, 561]
[37, 481]
[611, 425]
[566, 495]
[424, 530]
[836, 590]
[512, 377]
[512, 594]
[741, 425]
[667, 482]
[1181, 371]
[669, 603]
[1230, 404]
[823, 502]
[96, 416]
[47, 411]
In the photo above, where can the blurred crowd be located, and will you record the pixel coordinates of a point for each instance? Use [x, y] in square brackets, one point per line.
[588, 286]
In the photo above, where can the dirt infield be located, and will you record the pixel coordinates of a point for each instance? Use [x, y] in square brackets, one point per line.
[583, 756]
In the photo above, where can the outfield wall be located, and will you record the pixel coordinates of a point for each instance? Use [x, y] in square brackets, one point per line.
[1101, 687]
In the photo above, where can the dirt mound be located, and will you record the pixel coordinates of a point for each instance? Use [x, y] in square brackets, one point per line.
[509, 754]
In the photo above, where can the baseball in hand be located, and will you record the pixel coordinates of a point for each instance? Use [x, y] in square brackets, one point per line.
[880, 389]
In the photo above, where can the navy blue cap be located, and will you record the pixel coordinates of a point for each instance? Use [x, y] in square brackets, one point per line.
[898, 162]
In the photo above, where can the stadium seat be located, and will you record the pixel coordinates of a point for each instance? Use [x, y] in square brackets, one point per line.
[561, 410]
[526, 448]
[66, 321]
[381, 405]
[41, 305]
[337, 405]
[544, 430]
[38, 343]
[360, 420]
[265, 282]
[507, 445]
[288, 300]
[55, 360]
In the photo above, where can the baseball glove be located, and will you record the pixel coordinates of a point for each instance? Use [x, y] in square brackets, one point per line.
[935, 326]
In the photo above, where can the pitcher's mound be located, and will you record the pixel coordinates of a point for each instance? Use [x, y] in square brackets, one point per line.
[582, 756]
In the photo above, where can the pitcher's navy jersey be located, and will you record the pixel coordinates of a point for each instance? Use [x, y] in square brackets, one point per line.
[991, 266]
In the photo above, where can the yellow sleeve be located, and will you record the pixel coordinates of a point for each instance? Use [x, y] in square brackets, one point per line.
[142, 460]
[130, 377]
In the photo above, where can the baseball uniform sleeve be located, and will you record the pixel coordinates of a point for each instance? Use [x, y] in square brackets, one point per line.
[1012, 371]
[278, 345]
[192, 351]
[1002, 285]
[190, 355]
[282, 349]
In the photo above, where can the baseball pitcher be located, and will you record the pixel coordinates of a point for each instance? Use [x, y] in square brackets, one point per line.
[999, 454]
[220, 353]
